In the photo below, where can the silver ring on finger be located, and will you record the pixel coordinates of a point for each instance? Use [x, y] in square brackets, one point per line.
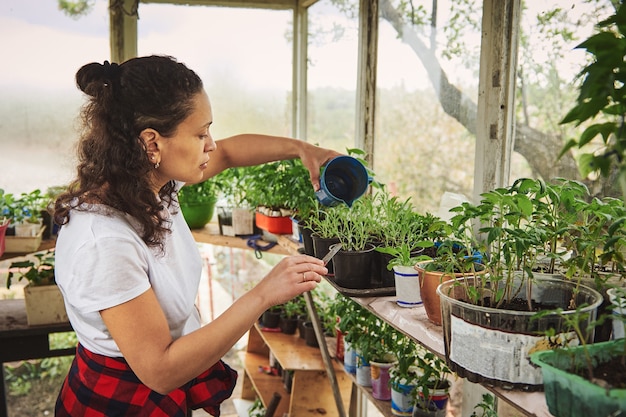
[304, 277]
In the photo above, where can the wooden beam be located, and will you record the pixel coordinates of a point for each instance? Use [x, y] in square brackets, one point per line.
[307, 3]
[123, 29]
[265, 4]
[255, 4]
[299, 73]
[366, 78]
[496, 95]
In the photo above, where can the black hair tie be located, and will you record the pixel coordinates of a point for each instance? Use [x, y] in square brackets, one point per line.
[111, 70]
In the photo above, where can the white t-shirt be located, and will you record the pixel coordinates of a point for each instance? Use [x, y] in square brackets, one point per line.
[102, 262]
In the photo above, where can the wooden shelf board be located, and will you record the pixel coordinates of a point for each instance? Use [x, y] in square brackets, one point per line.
[256, 344]
[311, 392]
[289, 244]
[291, 351]
[45, 245]
[312, 395]
[210, 234]
[264, 385]
[411, 321]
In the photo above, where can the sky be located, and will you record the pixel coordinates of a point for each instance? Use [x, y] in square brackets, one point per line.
[47, 47]
[42, 49]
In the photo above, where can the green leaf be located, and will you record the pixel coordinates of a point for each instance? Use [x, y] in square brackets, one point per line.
[525, 205]
[604, 129]
[586, 165]
[569, 145]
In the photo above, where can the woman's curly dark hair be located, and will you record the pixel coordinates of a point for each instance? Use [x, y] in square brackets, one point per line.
[113, 167]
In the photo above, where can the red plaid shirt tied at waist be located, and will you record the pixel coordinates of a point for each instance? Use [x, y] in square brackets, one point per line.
[100, 386]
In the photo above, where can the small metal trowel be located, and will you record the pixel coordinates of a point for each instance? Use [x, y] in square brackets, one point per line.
[333, 250]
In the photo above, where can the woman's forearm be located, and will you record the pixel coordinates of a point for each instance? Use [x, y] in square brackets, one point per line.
[253, 149]
[207, 344]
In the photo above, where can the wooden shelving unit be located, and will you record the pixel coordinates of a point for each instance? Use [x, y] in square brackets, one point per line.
[292, 353]
[311, 393]
[414, 323]
[210, 234]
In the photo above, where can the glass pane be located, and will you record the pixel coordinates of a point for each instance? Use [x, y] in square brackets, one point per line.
[421, 149]
[40, 100]
[244, 57]
[547, 67]
[332, 76]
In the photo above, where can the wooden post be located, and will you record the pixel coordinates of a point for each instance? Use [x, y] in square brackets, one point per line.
[366, 88]
[496, 95]
[299, 88]
[123, 29]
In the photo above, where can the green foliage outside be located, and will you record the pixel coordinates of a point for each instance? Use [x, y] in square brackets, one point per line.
[76, 9]
[486, 408]
[19, 376]
[601, 102]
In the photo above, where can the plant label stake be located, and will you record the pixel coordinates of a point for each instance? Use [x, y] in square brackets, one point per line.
[332, 252]
[319, 334]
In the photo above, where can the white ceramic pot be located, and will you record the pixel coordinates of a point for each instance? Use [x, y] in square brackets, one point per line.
[407, 286]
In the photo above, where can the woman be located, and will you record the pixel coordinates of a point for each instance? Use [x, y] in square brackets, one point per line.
[126, 262]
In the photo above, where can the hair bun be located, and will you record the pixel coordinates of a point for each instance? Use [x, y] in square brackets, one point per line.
[93, 77]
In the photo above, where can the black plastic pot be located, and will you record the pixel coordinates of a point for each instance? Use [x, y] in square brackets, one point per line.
[301, 320]
[271, 319]
[386, 276]
[353, 269]
[288, 325]
[309, 335]
[307, 240]
[321, 247]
